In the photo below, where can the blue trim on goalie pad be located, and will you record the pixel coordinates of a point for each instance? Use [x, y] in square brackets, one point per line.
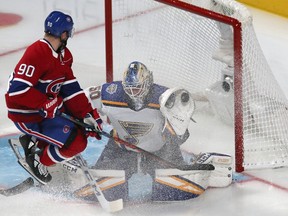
[111, 193]
[167, 191]
[116, 192]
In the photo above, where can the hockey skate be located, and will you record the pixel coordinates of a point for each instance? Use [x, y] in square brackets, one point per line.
[31, 161]
[28, 143]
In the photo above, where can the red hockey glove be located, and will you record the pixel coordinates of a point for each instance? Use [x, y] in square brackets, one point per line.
[94, 120]
[49, 108]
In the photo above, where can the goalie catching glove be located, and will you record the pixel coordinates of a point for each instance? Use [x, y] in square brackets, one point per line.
[177, 106]
[95, 121]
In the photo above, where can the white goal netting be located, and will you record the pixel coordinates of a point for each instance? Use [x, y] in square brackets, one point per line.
[187, 47]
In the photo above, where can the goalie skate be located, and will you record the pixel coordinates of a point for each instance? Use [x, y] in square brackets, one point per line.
[16, 147]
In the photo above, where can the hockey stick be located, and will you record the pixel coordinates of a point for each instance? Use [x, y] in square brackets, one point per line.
[110, 206]
[138, 149]
[25, 185]
[21, 187]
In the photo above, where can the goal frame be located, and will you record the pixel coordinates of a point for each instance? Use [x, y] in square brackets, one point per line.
[237, 40]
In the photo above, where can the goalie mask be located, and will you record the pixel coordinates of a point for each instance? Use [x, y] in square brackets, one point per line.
[177, 106]
[137, 81]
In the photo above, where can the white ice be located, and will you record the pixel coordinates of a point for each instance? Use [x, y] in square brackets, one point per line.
[266, 194]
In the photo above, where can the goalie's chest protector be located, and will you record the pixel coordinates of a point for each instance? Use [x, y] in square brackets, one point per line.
[142, 128]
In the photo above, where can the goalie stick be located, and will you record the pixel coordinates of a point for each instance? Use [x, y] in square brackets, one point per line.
[21, 187]
[159, 159]
[110, 206]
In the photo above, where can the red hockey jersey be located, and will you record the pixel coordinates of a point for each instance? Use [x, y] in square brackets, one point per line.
[41, 72]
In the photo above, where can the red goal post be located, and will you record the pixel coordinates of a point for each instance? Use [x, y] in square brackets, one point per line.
[177, 42]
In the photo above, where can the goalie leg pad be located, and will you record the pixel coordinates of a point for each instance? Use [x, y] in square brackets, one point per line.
[176, 185]
[222, 175]
[112, 183]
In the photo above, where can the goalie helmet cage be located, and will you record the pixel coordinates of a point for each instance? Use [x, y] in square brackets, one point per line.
[177, 39]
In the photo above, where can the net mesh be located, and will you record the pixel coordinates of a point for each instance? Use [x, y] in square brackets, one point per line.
[178, 46]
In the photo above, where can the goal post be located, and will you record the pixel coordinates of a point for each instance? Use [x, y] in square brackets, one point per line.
[210, 48]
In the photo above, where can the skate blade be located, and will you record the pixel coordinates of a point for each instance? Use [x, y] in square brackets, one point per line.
[16, 146]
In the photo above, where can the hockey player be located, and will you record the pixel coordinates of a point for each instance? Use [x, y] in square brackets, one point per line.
[155, 119]
[41, 85]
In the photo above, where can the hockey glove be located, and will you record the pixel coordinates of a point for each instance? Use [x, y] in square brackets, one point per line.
[94, 120]
[49, 108]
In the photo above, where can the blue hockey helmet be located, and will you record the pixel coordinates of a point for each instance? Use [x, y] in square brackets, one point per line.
[57, 22]
[137, 80]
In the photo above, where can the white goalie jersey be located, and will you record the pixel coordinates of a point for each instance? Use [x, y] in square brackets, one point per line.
[142, 127]
[166, 111]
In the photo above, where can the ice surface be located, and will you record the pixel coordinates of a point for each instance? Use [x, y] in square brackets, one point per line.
[264, 192]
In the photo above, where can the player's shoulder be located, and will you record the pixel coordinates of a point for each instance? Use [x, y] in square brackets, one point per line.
[40, 44]
[113, 91]
[40, 48]
[156, 91]
[112, 87]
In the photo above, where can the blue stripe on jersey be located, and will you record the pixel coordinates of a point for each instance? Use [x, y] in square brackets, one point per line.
[70, 88]
[17, 86]
[114, 92]
[157, 91]
[54, 153]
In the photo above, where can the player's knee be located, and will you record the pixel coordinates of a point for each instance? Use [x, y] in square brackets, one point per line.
[76, 143]
[72, 136]
[53, 154]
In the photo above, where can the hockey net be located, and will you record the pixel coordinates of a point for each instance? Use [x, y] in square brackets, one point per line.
[186, 44]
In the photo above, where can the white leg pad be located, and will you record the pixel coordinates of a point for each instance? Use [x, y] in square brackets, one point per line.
[69, 174]
[198, 177]
[222, 175]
